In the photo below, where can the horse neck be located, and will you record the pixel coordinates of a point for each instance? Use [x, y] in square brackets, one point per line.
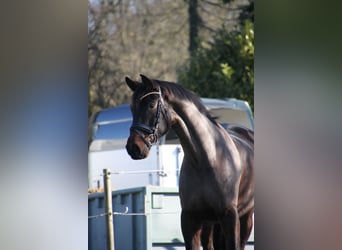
[193, 129]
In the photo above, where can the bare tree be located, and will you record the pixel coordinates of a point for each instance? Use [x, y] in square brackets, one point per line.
[143, 36]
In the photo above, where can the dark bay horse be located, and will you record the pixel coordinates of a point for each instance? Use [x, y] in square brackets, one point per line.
[216, 186]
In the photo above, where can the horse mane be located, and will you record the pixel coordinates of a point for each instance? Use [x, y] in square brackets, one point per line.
[180, 92]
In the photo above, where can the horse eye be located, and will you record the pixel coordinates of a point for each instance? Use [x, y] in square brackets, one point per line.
[151, 104]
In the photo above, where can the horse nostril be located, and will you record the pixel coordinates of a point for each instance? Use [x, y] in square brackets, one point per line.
[135, 149]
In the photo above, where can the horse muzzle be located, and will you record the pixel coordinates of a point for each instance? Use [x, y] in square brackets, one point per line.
[136, 147]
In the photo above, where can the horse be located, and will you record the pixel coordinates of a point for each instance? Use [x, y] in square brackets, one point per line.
[216, 185]
[211, 236]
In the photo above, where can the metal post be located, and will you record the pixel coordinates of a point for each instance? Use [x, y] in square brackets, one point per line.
[109, 213]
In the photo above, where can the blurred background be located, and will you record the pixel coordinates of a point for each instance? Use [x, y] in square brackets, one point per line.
[46, 81]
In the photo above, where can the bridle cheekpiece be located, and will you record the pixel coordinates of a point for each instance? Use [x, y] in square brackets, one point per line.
[152, 132]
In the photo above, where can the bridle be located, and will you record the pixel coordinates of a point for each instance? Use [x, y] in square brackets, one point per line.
[142, 129]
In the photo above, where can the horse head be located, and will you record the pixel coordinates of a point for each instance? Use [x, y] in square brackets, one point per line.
[150, 116]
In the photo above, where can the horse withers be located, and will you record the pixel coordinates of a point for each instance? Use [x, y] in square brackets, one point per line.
[216, 181]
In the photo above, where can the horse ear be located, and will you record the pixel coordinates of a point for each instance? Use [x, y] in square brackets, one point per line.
[131, 84]
[147, 81]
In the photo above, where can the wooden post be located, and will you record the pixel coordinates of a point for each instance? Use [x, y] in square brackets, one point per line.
[109, 210]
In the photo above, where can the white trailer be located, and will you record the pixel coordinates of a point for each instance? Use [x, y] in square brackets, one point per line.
[161, 167]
